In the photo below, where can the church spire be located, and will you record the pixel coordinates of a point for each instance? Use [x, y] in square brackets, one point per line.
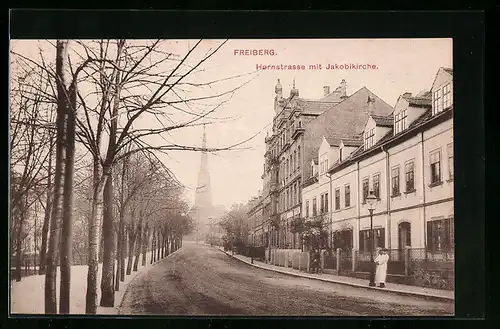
[203, 197]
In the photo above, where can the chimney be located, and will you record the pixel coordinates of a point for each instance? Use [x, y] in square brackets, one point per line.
[343, 89]
[326, 90]
[371, 104]
[407, 94]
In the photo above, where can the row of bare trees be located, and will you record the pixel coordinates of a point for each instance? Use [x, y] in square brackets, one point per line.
[103, 105]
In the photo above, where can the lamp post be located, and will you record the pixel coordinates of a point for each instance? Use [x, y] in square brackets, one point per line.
[371, 199]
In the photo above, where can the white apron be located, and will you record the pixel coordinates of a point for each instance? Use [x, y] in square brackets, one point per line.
[381, 271]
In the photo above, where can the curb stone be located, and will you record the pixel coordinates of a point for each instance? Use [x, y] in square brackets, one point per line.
[394, 291]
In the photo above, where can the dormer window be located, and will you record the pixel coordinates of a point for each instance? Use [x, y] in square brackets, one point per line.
[438, 101]
[369, 138]
[400, 122]
[340, 154]
[447, 96]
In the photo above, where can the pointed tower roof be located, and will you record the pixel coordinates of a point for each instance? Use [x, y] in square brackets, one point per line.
[203, 197]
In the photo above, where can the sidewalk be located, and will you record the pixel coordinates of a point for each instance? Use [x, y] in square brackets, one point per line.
[33, 286]
[401, 289]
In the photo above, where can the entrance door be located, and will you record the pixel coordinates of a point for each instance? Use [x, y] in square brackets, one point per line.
[404, 235]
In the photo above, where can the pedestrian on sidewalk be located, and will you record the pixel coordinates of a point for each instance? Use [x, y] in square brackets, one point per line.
[381, 271]
[315, 261]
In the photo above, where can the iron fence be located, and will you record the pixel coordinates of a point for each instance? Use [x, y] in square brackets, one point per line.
[330, 259]
[345, 261]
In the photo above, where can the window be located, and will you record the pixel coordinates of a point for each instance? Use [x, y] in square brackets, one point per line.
[435, 158]
[298, 154]
[315, 212]
[438, 101]
[326, 202]
[447, 96]
[376, 185]
[340, 154]
[347, 196]
[366, 189]
[369, 138]
[343, 239]
[410, 176]
[450, 161]
[321, 204]
[326, 165]
[365, 242]
[292, 163]
[337, 199]
[400, 121]
[440, 235]
[395, 181]
[307, 208]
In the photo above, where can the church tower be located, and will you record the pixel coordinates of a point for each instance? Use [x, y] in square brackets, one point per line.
[203, 197]
[203, 209]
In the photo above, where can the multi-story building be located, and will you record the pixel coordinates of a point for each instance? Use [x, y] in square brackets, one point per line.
[406, 160]
[280, 200]
[298, 127]
[340, 128]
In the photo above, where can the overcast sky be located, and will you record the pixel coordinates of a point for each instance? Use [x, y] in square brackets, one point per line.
[403, 65]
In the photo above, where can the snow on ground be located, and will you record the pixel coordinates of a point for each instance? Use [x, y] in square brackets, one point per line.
[27, 296]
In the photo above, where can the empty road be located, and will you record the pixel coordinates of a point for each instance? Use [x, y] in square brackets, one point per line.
[199, 280]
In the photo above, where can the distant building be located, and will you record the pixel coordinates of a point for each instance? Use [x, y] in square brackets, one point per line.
[203, 211]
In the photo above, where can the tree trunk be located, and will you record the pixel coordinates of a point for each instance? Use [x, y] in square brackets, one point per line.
[162, 246]
[139, 244]
[19, 247]
[108, 264]
[117, 276]
[119, 252]
[67, 219]
[122, 252]
[159, 245]
[131, 245]
[94, 236]
[153, 246]
[145, 242]
[51, 275]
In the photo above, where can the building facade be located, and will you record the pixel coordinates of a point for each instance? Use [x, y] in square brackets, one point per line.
[406, 160]
[280, 201]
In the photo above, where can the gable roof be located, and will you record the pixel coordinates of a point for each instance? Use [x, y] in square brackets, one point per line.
[422, 119]
[352, 142]
[422, 99]
[346, 119]
[383, 121]
[448, 70]
[310, 106]
[442, 69]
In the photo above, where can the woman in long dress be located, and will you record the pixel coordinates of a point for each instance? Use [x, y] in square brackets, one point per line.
[381, 271]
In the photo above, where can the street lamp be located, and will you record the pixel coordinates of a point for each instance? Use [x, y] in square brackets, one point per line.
[371, 199]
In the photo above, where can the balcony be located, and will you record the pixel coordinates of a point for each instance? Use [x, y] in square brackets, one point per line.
[297, 132]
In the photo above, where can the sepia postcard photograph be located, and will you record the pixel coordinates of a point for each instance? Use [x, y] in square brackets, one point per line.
[232, 177]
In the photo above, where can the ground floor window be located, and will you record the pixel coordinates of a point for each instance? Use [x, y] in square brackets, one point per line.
[342, 239]
[440, 235]
[365, 239]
